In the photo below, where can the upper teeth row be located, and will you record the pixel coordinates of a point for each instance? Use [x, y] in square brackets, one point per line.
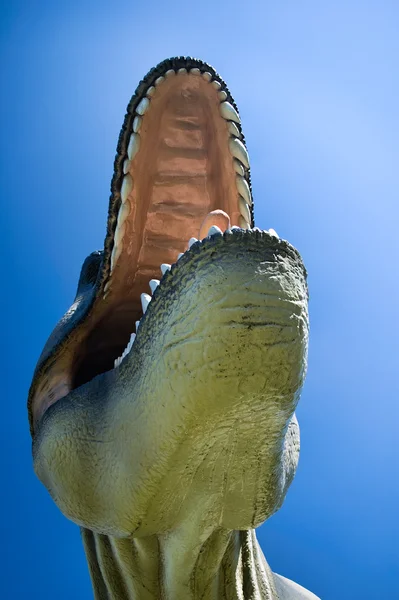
[154, 283]
[236, 146]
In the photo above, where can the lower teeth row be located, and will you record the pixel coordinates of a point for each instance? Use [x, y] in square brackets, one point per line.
[154, 283]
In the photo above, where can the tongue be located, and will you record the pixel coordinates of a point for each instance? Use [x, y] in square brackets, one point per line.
[218, 218]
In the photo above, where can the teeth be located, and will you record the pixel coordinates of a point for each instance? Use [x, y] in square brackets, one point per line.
[137, 325]
[145, 300]
[137, 123]
[119, 232]
[207, 76]
[116, 252]
[180, 255]
[195, 71]
[124, 212]
[243, 189]
[214, 229]
[170, 73]
[154, 283]
[165, 267]
[191, 242]
[134, 145]
[222, 96]
[182, 72]
[127, 186]
[273, 232]
[228, 112]
[130, 344]
[126, 350]
[151, 91]
[238, 167]
[244, 209]
[159, 80]
[243, 223]
[126, 166]
[107, 286]
[238, 150]
[143, 106]
[233, 129]
[216, 85]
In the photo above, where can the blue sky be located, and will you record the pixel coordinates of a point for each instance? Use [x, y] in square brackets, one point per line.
[317, 87]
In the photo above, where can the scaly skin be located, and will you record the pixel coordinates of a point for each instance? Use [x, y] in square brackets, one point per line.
[170, 460]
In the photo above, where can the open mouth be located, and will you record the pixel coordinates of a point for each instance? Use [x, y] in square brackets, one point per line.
[181, 173]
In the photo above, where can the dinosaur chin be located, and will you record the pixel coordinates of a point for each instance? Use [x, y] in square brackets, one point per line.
[144, 405]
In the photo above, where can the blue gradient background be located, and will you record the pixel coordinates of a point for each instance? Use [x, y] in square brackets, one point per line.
[317, 87]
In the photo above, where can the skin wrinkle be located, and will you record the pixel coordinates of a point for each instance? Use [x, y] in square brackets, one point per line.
[168, 461]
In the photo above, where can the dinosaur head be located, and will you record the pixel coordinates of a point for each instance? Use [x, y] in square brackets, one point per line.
[144, 406]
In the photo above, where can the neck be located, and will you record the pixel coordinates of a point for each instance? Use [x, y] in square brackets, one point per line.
[226, 565]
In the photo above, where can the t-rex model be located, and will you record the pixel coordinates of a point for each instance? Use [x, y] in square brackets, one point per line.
[164, 425]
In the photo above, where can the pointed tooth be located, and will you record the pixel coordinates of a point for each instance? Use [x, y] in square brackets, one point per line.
[116, 252]
[145, 300]
[228, 112]
[207, 76]
[238, 150]
[134, 145]
[195, 71]
[214, 229]
[192, 241]
[244, 209]
[137, 123]
[233, 129]
[159, 80]
[165, 267]
[119, 233]
[117, 362]
[107, 286]
[129, 346]
[243, 223]
[216, 84]
[222, 96]
[123, 213]
[274, 233]
[180, 255]
[150, 91]
[143, 106]
[234, 228]
[137, 325]
[154, 283]
[238, 167]
[126, 166]
[127, 186]
[243, 189]
[170, 73]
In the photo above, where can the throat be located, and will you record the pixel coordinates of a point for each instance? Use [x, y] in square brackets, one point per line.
[227, 565]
